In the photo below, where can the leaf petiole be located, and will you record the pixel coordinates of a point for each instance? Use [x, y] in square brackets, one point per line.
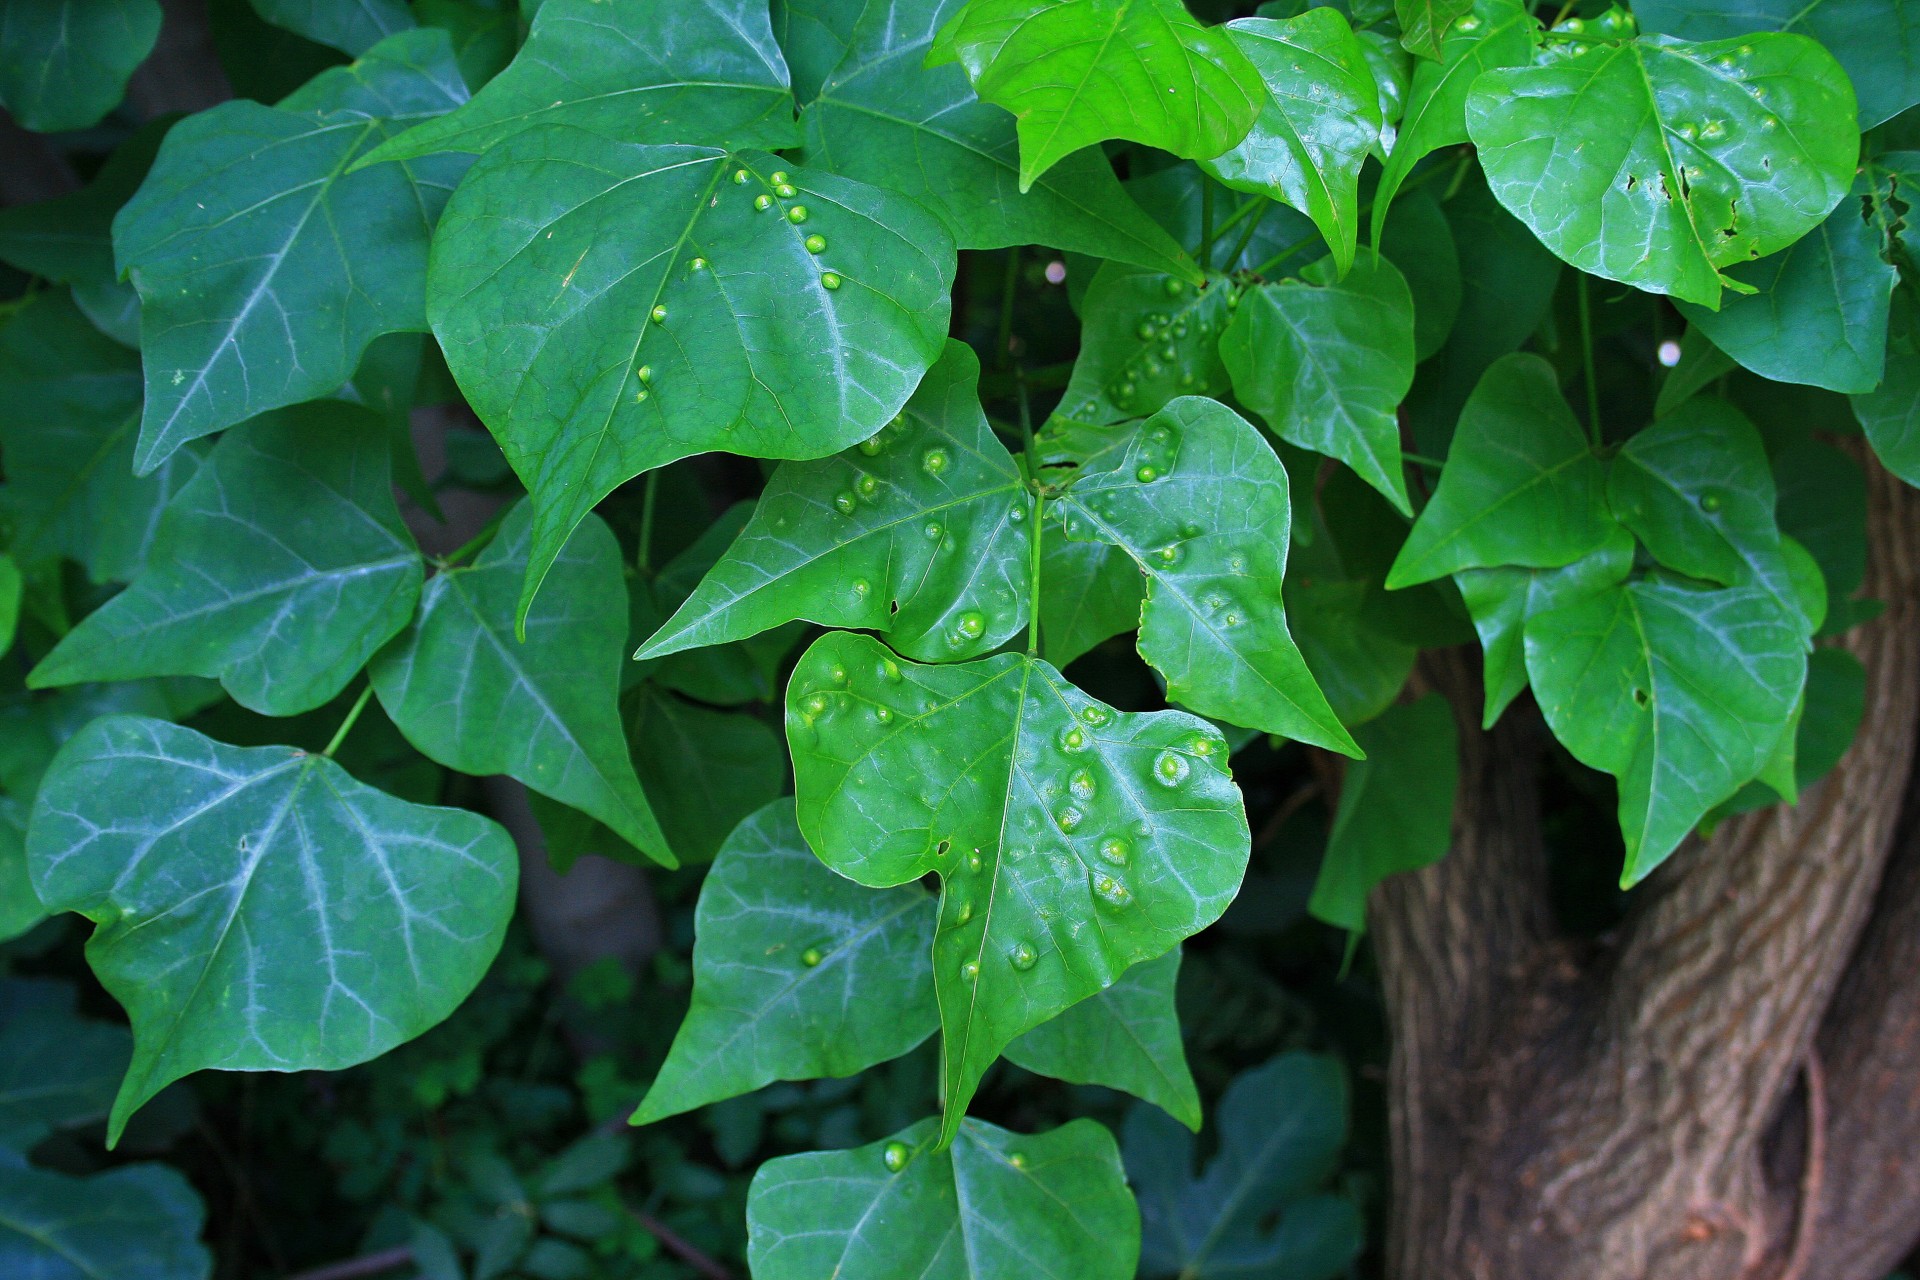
[346, 726]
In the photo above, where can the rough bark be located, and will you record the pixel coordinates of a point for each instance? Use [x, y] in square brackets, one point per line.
[1640, 1110]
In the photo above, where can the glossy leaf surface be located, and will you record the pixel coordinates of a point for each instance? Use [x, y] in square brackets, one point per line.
[1198, 501]
[883, 116]
[1149, 337]
[1680, 691]
[994, 1204]
[797, 972]
[1327, 362]
[1126, 1037]
[681, 309]
[1320, 119]
[686, 71]
[1042, 811]
[253, 292]
[470, 695]
[1659, 163]
[257, 909]
[1077, 72]
[279, 569]
[918, 532]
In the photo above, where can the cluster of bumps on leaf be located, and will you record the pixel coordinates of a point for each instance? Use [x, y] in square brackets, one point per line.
[663, 228]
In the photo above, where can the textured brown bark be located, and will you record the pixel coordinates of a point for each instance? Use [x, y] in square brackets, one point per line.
[1640, 1110]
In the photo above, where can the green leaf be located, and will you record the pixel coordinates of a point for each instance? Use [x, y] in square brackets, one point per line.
[1326, 363]
[1497, 33]
[138, 1220]
[1254, 1211]
[1392, 68]
[1520, 487]
[1678, 690]
[545, 710]
[1126, 1037]
[561, 247]
[257, 909]
[798, 972]
[1701, 364]
[1093, 593]
[882, 116]
[1360, 668]
[1832, 706]
[994, 1204]
[1396, 808]
[12, 592]
[20, 909]
[1420, 243]
[351, 26]
[1820, 313]
[69, 238]
[1320, 119]
[1658, 163]
[1050, 812]
[1425, 23]
[254, 294]
[706, 769]
[57, 1069]
[1823, 506]
[64, 63]
[68, 416]
[1077, 72]
[916, 533]
[1199, 502]
[1697, 489]
[1877, 41]
[1890, 413]
[1149, 337]
[1502, 600]
[280, 569]
[690, 71]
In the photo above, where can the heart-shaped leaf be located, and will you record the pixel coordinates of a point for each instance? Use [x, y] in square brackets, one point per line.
[64, 63]
[279, 569]
[917, 532]
[883, 116]
[994, 1204]
[1678, 690]
[545, 710]
[239, 226]
[256, 909]
[1077, 72]
[1877, 41]
[1198, 501]
[1072, 841]
[1326, 362]
[1521, 485]
[1658, 163]
[705, 71]
[610, 307]
[797, 972]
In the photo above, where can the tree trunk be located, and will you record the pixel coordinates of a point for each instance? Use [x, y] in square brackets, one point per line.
[1725, 1088]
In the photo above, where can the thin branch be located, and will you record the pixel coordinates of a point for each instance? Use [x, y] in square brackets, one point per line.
[371, 1264]
[678, 1245]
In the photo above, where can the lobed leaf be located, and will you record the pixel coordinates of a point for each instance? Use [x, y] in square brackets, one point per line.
[545, 710]
[265, 268]
[611, 307]
[915, 533]
[256, 909]
[279, 569]
[1077, 72]
[1043, 812]
[1198, 501]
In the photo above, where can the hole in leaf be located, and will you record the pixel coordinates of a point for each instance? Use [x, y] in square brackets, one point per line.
[1641, 698]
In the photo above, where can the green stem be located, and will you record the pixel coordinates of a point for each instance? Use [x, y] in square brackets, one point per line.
[1003, 341]
[346, 726]
[1422, 460]
[1586, 358]
[1206, 226]
[474, 543]
[644, 560]
[1032, 453]
[1246, 237]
